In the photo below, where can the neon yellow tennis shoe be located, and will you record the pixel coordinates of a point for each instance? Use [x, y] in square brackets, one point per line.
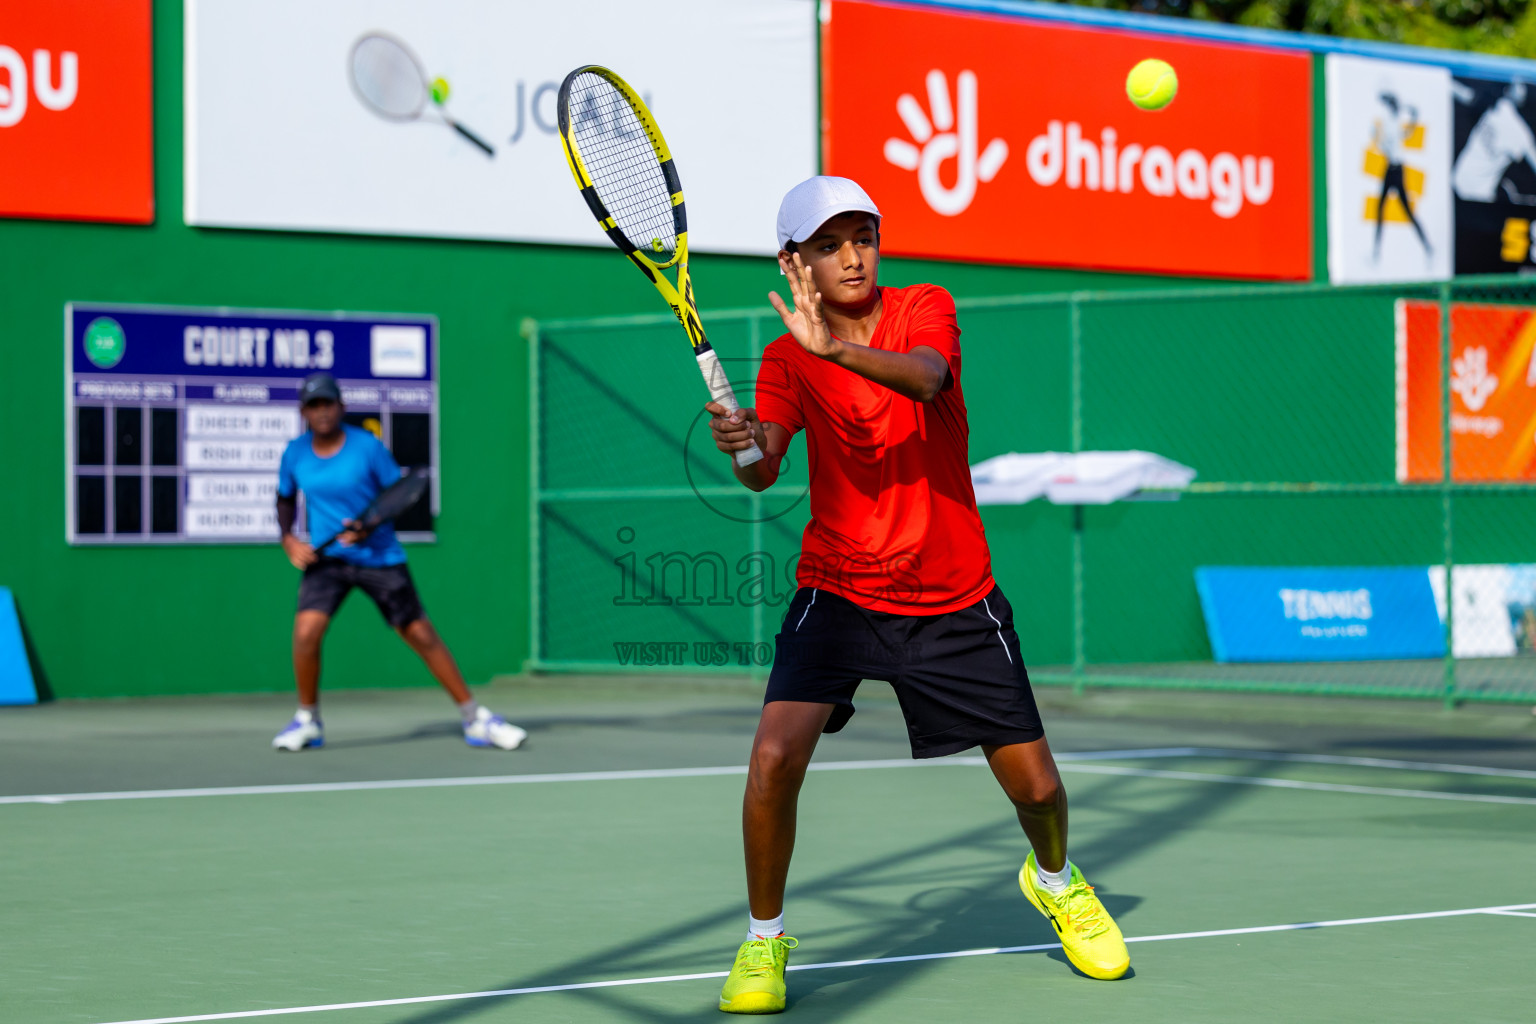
[756, 984]
[1089, 936]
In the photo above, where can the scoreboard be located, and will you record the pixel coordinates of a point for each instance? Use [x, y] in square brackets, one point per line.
[176, 418]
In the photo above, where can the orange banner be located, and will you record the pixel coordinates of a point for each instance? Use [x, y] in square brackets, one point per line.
[1001, 139]
[1493, 392]
[76, 139]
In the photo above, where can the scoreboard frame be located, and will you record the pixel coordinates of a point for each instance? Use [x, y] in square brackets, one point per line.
[139, 389]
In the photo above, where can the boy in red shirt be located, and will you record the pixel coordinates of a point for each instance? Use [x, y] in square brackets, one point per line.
[895, 576]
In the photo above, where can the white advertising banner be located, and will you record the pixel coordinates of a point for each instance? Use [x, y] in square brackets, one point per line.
[1389, 171]
[406, 117]
[1495, 609]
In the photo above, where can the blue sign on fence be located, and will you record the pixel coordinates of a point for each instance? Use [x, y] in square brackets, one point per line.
[1314, 614]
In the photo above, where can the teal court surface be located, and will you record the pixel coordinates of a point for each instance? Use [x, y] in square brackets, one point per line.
[1270, 859]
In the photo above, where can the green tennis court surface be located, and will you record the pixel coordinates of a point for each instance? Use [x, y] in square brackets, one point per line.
[397, 876]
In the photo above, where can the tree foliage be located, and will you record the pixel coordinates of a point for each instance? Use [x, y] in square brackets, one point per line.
[1489, 26]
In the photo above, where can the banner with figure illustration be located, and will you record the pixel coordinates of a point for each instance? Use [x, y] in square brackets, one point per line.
[1005, 139]
[1389, 158]
[406, 117]
[1494, 176]
[1493, 392]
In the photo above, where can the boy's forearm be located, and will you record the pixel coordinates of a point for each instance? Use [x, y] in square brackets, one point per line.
[287, 512]
[760, 475]
[905, 373]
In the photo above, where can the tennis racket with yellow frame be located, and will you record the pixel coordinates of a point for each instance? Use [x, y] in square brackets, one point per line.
[625, 172]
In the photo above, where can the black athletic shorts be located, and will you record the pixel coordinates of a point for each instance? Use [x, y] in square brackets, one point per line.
[959, 677]
[327, 583]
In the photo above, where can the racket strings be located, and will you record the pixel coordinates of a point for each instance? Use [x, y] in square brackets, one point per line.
[388, 78]
[619, 152]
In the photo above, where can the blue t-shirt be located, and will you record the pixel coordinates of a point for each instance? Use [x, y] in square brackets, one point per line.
[339, 488]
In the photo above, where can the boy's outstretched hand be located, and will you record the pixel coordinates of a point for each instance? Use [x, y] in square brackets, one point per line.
[806, 322]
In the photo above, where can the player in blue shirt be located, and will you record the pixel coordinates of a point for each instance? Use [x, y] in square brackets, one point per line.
[340, 468]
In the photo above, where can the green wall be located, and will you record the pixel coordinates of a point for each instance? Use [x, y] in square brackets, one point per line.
[127, 621]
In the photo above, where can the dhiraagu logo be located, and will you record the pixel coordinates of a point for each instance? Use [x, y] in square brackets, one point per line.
[954, 138]
[105, 342]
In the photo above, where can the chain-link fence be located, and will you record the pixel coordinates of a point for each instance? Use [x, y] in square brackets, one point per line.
[1314, 552]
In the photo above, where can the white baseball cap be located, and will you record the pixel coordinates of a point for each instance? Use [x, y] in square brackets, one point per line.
[817, 200]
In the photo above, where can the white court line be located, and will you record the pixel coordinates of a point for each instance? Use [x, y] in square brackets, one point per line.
[506, 780]
[1321, 787]
[1069, 761]
[621, 982]
[1511, 913]
[1366, 762]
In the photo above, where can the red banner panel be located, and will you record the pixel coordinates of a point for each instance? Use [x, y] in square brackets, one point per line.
[999, 139]
[1493, 392]
[76, 121]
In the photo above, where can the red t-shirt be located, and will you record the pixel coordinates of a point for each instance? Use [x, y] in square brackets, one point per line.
[894, 526]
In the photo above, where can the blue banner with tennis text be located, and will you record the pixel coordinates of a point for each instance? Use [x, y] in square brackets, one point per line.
[1319, 614]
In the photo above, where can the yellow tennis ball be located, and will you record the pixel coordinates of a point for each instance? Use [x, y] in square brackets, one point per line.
[1152, 84]
[439, 90]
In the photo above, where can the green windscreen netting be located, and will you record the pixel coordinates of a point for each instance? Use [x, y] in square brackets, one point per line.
[1314, 416]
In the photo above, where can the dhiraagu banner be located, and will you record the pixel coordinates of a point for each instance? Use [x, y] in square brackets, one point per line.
[988, 137]
[1493, 392]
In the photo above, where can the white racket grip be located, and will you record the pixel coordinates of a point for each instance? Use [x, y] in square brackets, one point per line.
[720, 390]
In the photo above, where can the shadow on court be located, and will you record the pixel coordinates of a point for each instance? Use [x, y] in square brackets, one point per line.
[893, 863]
[1509, 752]
[429, 731]
[710, 722]
[976, 906]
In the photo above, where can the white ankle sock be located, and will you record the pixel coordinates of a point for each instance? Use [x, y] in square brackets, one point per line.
[312, 710]
[764, 929]
[1054, 881]
[468, 710]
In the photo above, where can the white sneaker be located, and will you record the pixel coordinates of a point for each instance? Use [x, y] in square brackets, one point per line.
[488, 730]
[304, 731]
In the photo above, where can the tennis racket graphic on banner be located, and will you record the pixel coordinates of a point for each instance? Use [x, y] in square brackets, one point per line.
[391, 82]
[390, 503]
[625, 173]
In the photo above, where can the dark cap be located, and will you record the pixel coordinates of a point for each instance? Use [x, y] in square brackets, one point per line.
[317, 386]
